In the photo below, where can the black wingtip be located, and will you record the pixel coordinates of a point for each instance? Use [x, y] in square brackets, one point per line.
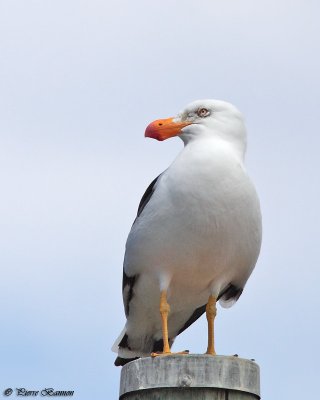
[120, 362]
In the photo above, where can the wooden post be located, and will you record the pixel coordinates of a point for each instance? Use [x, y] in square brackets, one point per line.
[190, 377]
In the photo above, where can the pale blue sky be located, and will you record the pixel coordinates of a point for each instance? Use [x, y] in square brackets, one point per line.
[79, 81]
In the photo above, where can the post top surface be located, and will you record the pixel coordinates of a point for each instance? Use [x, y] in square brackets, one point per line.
[193, 370]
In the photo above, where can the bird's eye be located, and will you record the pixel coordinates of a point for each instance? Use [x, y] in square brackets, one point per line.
[203, 112]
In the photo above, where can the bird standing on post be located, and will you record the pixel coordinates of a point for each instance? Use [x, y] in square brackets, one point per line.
[197, 234]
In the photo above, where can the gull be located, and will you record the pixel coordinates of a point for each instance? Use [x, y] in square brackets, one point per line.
[197, 234]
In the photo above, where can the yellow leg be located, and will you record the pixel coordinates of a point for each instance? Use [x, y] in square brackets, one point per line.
[164, 312]
[211, 312]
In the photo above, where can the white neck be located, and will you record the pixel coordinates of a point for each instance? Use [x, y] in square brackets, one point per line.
[214, 144]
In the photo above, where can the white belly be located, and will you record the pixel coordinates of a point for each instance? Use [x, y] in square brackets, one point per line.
[200, 231]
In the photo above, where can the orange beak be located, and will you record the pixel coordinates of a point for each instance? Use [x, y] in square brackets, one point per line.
[163, 129]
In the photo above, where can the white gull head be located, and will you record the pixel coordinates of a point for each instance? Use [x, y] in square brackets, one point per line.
[203, 119]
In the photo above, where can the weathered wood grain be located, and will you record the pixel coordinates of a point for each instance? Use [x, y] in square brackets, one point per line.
[191, 377]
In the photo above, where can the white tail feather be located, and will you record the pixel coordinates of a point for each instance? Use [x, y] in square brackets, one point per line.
[115, 347]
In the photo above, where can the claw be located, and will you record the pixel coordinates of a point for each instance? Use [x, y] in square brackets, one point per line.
[157, 354]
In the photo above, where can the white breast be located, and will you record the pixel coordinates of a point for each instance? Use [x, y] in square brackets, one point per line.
[202, 227]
